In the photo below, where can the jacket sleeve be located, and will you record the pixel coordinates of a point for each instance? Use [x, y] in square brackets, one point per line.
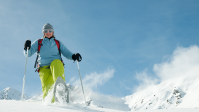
[66, 53]
[32, 50]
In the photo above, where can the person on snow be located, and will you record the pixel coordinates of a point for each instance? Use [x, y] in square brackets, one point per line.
[50, 65]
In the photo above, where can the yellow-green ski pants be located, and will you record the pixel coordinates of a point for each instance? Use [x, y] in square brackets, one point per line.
[48, 75]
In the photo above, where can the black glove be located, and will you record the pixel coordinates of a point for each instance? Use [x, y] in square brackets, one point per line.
[27, 44]
[77, 57]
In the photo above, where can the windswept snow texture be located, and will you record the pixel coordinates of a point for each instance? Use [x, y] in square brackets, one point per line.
[96, 100]
[93, 99]
[11, 94]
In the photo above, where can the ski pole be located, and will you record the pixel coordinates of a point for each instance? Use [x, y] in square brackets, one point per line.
[81, 81]
[24, 75]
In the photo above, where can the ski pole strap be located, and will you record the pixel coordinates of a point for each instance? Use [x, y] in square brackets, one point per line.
[80, 58]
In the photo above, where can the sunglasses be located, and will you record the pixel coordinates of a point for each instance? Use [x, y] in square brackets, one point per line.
[46, 31]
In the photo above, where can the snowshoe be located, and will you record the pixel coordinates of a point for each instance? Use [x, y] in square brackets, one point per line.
[60, 91]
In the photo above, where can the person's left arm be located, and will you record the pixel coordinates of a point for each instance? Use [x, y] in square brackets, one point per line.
[64, 50]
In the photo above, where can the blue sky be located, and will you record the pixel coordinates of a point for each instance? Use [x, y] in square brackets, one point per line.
[125, 36]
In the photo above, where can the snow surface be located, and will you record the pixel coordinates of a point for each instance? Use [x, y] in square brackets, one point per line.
[38, 106]
[30, 106]
[93, 99]
[95, 102]
[104, 103]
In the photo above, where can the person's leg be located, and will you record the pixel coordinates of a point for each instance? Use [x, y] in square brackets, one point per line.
[49, 76]
[57, 69]
[46, 80]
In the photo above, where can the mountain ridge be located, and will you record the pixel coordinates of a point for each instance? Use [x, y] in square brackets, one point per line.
[174, 93]
[10, 93]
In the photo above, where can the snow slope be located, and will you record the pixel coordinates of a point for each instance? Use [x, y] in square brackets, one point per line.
[176, 93]
[178, 87]
[30, 106]
[157, 98]
[77, 102]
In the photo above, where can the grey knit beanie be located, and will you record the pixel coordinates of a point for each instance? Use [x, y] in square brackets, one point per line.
[48, 26]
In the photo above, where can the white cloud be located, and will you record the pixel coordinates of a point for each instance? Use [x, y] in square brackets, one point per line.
[93, 80]
[145, 80]
[183, 62]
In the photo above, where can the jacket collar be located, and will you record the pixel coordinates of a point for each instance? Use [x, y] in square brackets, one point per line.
[51, 38]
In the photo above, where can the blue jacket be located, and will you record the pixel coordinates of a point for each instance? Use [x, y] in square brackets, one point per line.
[48, 52]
